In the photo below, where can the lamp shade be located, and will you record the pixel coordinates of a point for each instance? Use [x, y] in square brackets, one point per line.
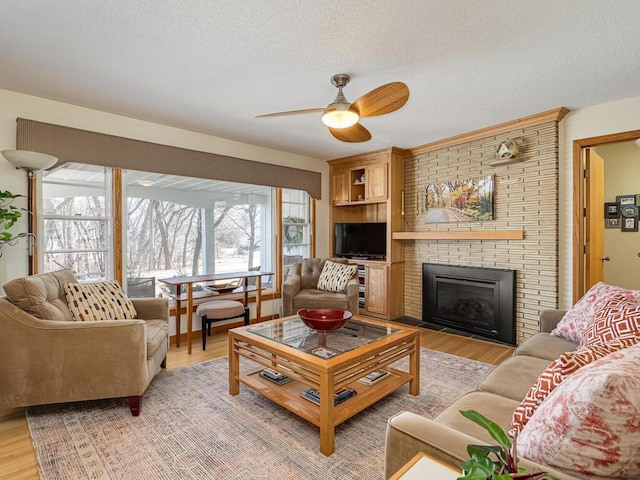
[32, 161]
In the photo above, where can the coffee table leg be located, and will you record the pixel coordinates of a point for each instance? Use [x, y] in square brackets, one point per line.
[414, 368]
[327, 427]
[234, 367]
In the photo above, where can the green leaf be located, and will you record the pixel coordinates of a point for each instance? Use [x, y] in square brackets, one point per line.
[493, 428]
[483, 450]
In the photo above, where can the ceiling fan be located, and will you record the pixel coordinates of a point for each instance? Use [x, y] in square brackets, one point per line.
[342, 117]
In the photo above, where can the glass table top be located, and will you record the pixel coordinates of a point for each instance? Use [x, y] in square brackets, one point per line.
[294, 333]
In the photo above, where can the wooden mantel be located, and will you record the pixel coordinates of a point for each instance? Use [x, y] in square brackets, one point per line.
[484, 235]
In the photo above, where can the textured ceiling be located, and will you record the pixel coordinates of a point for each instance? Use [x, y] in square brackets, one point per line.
[211, 66]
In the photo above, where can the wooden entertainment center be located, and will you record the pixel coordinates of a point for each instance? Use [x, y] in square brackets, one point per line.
[369, 188]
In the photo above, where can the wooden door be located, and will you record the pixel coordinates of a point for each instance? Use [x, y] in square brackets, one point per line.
[376, 182]
[375, 297]
[594, 218]
[340, 187]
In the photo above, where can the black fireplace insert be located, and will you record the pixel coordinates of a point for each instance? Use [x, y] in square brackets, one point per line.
[475, 300]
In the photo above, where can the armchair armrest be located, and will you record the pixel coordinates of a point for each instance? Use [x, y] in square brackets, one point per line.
[290, 287]
[353, 292]
[152, 308]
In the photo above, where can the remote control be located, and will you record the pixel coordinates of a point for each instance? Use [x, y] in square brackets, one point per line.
[271, 373]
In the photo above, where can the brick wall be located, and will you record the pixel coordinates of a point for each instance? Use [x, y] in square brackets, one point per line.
[526, 198]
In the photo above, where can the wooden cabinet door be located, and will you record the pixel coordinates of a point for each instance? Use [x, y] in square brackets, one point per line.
[375, 297]
[376, 181]
[340, 187]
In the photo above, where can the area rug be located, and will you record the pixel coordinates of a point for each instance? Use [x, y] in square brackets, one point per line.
[191, 428]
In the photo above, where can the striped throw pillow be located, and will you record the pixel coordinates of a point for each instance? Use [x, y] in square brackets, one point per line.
[335, 276]
[98, 301]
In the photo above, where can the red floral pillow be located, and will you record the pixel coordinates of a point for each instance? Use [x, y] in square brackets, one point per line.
[618, 317]
[589, 427]
[557, 372]
[580, 317]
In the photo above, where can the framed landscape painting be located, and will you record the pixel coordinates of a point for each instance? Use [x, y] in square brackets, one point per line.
[460, 200]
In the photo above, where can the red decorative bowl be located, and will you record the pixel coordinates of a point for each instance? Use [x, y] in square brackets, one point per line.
[324, 319]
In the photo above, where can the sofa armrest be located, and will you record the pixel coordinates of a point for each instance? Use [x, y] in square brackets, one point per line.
[549, 319]
[408, 434]
[290, 288]
[152, 308]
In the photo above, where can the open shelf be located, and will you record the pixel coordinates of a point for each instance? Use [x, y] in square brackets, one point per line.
[288, 395]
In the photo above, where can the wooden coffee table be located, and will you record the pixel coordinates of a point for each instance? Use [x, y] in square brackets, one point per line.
[361, 347]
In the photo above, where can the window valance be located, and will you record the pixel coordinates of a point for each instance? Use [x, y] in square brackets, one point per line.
[83, 146]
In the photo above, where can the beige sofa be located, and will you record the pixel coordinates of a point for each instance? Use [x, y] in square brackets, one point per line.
[299, 290]
[497, 396]
[49, 358]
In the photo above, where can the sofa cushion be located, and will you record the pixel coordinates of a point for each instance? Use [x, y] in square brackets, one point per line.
[618, 317]
[514, 377]
[590, 425]
[545, 345]
[335, 276]
[567, 364]
[42, 295]
[495, 407]
[98, 301]
[576, 321]
[314, 298]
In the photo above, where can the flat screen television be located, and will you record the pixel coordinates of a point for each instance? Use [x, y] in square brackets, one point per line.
[365, 240]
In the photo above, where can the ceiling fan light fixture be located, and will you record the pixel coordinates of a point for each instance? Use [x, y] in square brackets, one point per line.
[340, 115]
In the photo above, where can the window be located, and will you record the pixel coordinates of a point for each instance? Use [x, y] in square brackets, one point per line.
[181, 226]
[296, 227]
[75, 221]
[172, 226]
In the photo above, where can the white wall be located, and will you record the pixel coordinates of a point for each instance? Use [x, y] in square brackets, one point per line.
[603, 119]
[13, 262]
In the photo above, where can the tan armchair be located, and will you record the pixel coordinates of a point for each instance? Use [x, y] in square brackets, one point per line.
[54, 359]
[300, 290]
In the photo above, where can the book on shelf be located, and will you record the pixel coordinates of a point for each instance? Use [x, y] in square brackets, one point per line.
[339, 395]
[373, 377]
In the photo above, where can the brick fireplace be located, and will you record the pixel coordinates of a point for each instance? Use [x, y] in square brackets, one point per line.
[525, 198]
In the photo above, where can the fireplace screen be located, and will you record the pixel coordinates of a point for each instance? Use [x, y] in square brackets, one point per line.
[471, 301]
[476, 300]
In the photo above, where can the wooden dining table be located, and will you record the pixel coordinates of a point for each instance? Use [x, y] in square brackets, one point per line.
[243, 288]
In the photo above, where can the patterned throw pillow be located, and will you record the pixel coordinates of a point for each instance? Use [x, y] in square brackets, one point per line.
[580, 317]
[590, 425]
[335, 276]
[98, 301]
[619, 317]
[557, 372]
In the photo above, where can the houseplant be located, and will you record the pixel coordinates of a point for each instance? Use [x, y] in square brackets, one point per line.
[505, 467]
[9, 215]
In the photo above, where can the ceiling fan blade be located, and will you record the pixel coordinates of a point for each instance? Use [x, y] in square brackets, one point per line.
[384, 99]
[356, 133]
[291, 112]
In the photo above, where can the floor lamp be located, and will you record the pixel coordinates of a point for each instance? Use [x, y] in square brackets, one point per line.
[32, 163]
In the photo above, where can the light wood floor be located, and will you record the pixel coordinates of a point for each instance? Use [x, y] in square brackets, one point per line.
[17, 457]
